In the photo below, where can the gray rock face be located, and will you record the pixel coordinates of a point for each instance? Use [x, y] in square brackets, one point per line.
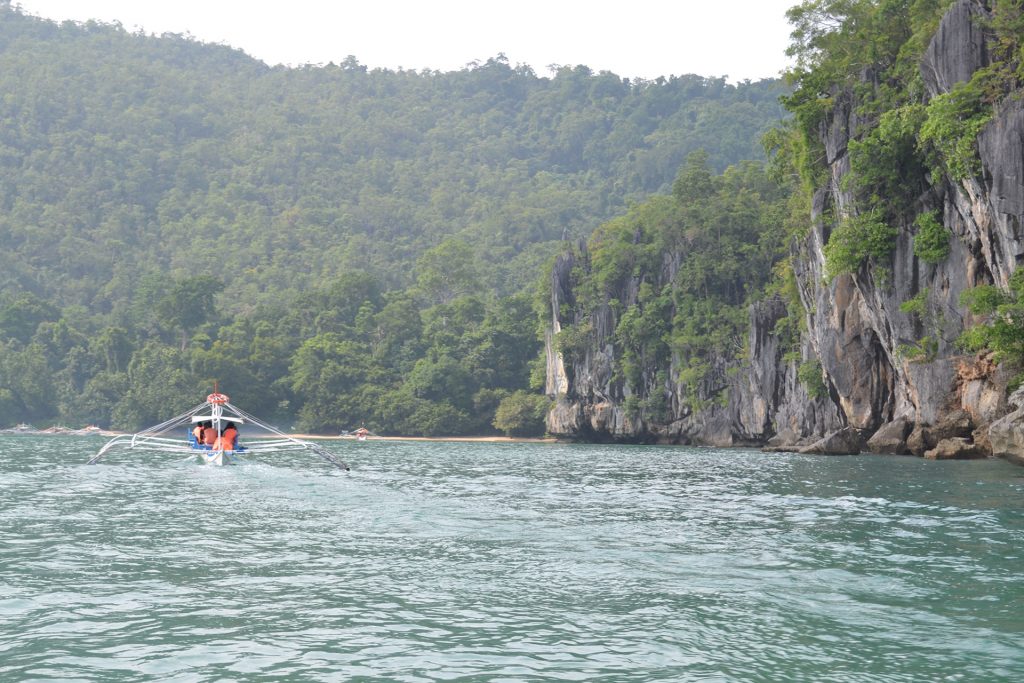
[763, 395]
[957, 424]
[999, 203]
[1007, 438]
[891, 438]
[956, 448]
[846, 441]
[881, 380]
[921, 440]
[1016, 399]
[1006, 434]
[957, 50]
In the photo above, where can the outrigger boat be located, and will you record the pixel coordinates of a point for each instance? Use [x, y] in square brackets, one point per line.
[358, 434]
[218, 414]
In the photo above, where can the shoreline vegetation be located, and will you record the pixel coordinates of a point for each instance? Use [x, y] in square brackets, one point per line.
[28, 430]
[469, 439]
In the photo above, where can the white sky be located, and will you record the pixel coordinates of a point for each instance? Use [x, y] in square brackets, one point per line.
[635, 38]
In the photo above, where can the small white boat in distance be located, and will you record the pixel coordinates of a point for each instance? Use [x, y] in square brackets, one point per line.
[210, 430]
[359, 434]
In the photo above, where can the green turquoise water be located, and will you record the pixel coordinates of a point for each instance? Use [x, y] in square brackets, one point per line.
[508, 562]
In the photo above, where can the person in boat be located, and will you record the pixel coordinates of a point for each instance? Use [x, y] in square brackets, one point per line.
[209, 434]
[228, 439]
[199, 432]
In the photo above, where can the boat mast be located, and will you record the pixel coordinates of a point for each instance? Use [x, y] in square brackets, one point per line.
[217, 401]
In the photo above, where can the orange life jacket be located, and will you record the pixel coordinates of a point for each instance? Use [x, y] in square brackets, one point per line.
[227, 440]
[209, 436]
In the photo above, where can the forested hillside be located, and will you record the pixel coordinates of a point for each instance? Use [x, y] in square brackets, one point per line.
[333, 243]
[123, 154]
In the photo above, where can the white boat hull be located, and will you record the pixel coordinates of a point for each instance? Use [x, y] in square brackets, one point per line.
[218, 458]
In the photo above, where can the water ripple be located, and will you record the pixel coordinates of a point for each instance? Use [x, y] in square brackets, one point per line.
[508, 562]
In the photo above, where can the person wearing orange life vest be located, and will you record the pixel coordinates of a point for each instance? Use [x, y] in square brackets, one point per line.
[209, 435]
[197, 433]
[227, 439]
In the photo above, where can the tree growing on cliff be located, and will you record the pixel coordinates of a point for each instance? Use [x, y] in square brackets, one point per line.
[931, 243]
[1003, 330]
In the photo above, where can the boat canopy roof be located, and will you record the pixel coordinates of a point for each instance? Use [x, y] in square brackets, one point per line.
[222, 418]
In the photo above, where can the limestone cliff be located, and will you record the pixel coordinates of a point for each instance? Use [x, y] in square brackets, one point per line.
[876, 393]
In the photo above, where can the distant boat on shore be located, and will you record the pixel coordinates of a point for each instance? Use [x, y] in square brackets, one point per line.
[360, 434]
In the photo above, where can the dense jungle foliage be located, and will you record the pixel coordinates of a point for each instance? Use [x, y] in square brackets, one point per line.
[336, 245]
[696, 259]
[906, 141]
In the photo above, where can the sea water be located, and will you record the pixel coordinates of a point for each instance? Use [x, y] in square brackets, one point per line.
[508, 562]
